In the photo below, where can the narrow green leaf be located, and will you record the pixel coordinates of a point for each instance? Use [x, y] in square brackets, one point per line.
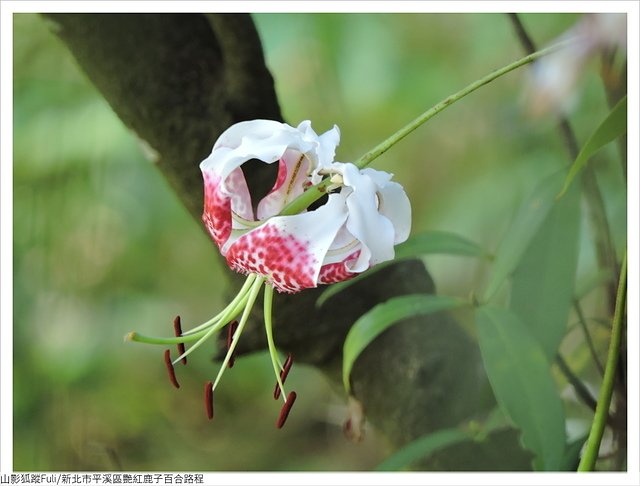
[381, 317]
[427, 243]
[543, 282]
[421, 448]
[443, 242]
[521, 379]
[524, 227]
[614, 125]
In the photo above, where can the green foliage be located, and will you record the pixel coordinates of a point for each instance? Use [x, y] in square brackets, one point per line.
[521, 379]
[542, 288]
[613, 126]
[425, 243]
[382, 317]
[525, 226]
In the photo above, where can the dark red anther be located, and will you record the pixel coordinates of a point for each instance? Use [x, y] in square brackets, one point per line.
[208, 399]
[286, 408]
[230, 332]
[178, 330]
[170, 370]
[283, 375]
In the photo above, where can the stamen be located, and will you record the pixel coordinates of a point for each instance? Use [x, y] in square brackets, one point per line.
[177, 328]
[286, 408]
[229, 312]
[255, 290]
[283, 376]
[231, 331]
[208, 399]
[170, 370]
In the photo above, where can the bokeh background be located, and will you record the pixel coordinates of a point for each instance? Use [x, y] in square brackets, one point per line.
[102, 245]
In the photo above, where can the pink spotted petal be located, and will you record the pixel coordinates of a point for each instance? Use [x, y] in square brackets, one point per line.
[289, 250]
[338, 272]
[217, 210]
[219, 207]
[236, 186]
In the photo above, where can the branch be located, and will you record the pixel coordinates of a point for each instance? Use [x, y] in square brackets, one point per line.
[171, 81]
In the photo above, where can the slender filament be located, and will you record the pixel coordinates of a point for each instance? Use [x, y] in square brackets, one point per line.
[230, 314]
[236, 300]
[273, 352]
[253, 294]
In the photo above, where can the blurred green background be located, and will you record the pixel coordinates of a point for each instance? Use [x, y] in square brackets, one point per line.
[102, 246]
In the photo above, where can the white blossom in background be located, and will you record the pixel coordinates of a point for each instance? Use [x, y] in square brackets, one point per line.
[553, 85]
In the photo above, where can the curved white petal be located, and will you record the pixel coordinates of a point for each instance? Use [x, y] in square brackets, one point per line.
[268, 140]
[265, 140]
[392, 203]
[329, 140]
[290, 250]
[379, 213]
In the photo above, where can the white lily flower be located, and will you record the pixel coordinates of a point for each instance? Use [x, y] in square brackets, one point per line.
[356, 229]
[364, 216]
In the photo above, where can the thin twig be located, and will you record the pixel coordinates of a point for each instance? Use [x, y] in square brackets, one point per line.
[587, 336]
[581, 390]
[316, 192]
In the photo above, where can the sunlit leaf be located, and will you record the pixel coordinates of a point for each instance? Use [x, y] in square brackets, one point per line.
[521, 379]
[543, 282]
[427, 243]
[525, 226]
[614, 125]
[381, 317]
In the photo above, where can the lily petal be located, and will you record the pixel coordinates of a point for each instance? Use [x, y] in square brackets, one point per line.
[266, 140]
[393, 203]
[289, 250]
[374, 230]
[228, 204]
[293, 172]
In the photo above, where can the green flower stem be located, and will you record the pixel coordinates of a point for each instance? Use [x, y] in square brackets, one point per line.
[306, 199]
[588, 461]
[268, 325]
[316, 192]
